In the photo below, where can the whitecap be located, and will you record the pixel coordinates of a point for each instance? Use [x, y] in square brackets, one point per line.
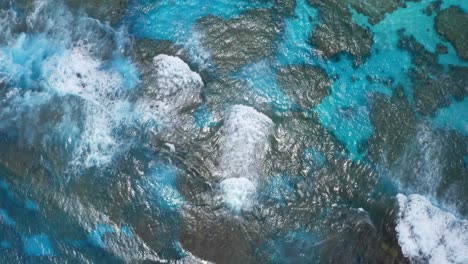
[171, 92]
[77, 73]
[238, 193]
[244, 146]
[429, 234]
[171, 88]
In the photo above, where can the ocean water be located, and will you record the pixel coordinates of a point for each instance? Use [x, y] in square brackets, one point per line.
[253, 131]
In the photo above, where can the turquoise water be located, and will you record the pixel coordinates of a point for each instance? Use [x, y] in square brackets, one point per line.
[107, 156]
[173, 20]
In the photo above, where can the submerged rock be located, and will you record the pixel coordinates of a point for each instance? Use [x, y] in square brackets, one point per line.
[353, 237]
[333, 206]
[433, 86]
[339, 182]
[452, 24]
[217, 236]
[395, 125]
[74, 219]
[344, 235]
[342, 182]
[241, 40]
[210, 230]
[39, 141]
[307, 85]
[295, 138]
[338, 32]
[431, 94]
[376, 10]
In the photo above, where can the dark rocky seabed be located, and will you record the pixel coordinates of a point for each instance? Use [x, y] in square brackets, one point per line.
[250, 131]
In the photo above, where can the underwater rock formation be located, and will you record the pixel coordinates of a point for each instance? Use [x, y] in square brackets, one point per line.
[448, 23]
[241, 40]
[395, 126]
[339, 33]
[302, 145]
[376, 10]
[433, 86]
[305, 84]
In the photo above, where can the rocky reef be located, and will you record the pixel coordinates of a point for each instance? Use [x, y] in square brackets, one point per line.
[235, 42]
[338, 31]
[451, 23]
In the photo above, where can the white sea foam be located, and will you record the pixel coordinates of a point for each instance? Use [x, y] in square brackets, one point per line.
[245, 142]
[429, 234]
[244, 145]
[76, 72]
[238, 192]
[64, 58]
[32, 18]
[174, 87]
[189, 258]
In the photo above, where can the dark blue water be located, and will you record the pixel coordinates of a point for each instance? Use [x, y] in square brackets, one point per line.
[256, 131]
